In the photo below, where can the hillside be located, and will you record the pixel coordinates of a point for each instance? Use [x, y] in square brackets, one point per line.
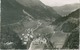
[69, 25]
[38, 9]
[72, 41]
[12, 11]
[68, 22]
[66, 9]
[25, 20]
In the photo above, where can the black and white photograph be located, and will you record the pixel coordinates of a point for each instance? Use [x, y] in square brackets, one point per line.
[39, 24]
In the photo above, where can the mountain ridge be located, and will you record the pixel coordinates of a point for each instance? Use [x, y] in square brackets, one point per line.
[15, 8]
[66, 9]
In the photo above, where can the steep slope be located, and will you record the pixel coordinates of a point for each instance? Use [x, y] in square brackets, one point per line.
[9, 39]
[66, 9]
[72, 41]
[68, 25]
[72, 22]
[37, 9]
[69, 22]
[11, 12]
[25, 20]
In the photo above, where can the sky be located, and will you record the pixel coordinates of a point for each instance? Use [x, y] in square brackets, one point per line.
[59, 2]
